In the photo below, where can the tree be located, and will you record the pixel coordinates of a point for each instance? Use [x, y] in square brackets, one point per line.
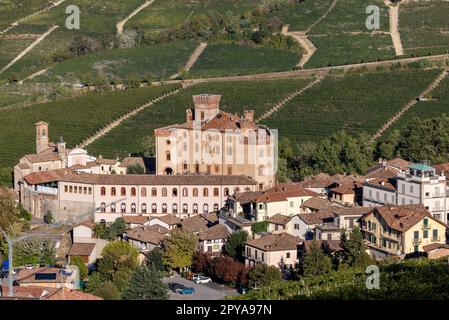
[8, 209]
[48, 217]
[108, 291]
[94, 281]
[155, 259]
[119, 259]
[201, 262]
[179, 248]
[354, 250]
[259, 227]
[48, 253]
[84, 45]
[111, 230]
[315, 262]
[145, 284]
[6, 177]
[34, 251]
[227, 270]
[236, 244]
[135, 169]
[79, 263]
[263, 275]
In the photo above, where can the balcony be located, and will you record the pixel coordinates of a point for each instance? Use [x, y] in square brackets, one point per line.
[44, 190]
[416, 241]
[425, 227]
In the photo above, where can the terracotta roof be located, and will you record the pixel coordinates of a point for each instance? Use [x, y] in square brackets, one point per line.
[219, 231]
[275, 242]
[277, 193]
[78, 167]
[108, 162]
[434, 246]
[316, 217]
[132, 161]
[136, 219]
[158, 228]
[316, 203]
[23, 166]
[328, 246]
[88, 224]
[383, 183]
[29, 276]
[345, 189]
[194, 224]
[403, 217]
[210, 217]
[48, 155]
[67, 175]
[29, 292]
[352, 211]
[145, 234]
[81, 249]
[399, 163]
[324, 180]
[279, 219]
[67, 294]
[169, 219]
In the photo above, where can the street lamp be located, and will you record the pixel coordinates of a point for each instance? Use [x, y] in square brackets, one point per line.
[10, 264]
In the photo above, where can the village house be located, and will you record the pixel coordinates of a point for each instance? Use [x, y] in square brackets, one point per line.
[279, 250]
[194, 225]
[329, 247]
[86, 244]
[47, 277]
[144, 239]
[213, 239]
[401, 230]
[214, 142]
[46, 293]
[167, 221]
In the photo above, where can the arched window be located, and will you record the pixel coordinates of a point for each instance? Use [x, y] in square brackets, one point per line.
[164, 192]
[123, 191]
[154, 208]
[195, 208]
[133, 192]
[133, 208]
[216, 207]
[261, 170]
[185, 208]
[113, 207]
[102, 221]
[144, 208]
[103, 191]
[205, 208]
[143, 192]
[113, 191]
[123, 207]
[226, 192]
[103, 207]
[174, 192]
[195, 192]
[185, 192]
[154, 192]
[216, 192]
[164, 208]
[205, 192]
[175, 208]
[236, 190]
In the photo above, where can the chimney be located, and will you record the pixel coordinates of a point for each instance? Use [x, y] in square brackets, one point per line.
[189, 115]
[248, 115]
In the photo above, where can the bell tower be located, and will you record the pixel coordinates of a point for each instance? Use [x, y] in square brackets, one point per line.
[41, 136]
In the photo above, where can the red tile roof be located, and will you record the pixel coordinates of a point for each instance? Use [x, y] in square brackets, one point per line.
[145, 234]
[81, 249]
[219, 231]
[279, 219]
[275, 242]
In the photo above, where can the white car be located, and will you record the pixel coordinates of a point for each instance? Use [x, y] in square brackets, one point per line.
[202, 279]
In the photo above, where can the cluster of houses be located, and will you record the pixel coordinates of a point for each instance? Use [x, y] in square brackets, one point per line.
[401, 208]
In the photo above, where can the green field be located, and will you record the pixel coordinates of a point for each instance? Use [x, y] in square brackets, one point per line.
[424, 27]
[436, 105]
[135, 135]
[75, 119]
[161, 61]
[10, 49]
[342, 37]
[165, 14]
[355, 102]
[301, 15]
[233, 59]
[12, 10]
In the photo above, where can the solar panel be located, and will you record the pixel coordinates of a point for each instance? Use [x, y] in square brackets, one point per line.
[45, 276]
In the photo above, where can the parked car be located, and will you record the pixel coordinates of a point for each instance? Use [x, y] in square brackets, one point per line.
[194, 277]
[186, 291]
[202, 279]
[29, 266]
[175, 286]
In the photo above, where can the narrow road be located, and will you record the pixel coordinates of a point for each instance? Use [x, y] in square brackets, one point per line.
[394, 28]
[308, 46]
[331, 7]
[193, 58]
[28, 49]
[122, 23]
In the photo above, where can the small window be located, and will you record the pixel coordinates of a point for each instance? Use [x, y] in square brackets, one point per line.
[133, 192]
[143, 192]
[154, 192]
[123, 208]
[154, 208]
[123, 191]
[164, 192]
[102, 190]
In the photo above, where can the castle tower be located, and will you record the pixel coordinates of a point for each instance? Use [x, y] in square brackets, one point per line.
[41, 136]
[206, 106]
[62, 150]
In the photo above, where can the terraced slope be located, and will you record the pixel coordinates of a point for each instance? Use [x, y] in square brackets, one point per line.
[74, 118]
[355, 102]
[135, 135]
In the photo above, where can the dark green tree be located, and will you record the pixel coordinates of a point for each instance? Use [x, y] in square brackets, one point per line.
[259, 227]
[108, 291]
[315, 262]
[145, 284]
[236, 244]
[354, 250]
[155, 260]
[79, 263]
[263, 275]
[48, 217]
[135, 169]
